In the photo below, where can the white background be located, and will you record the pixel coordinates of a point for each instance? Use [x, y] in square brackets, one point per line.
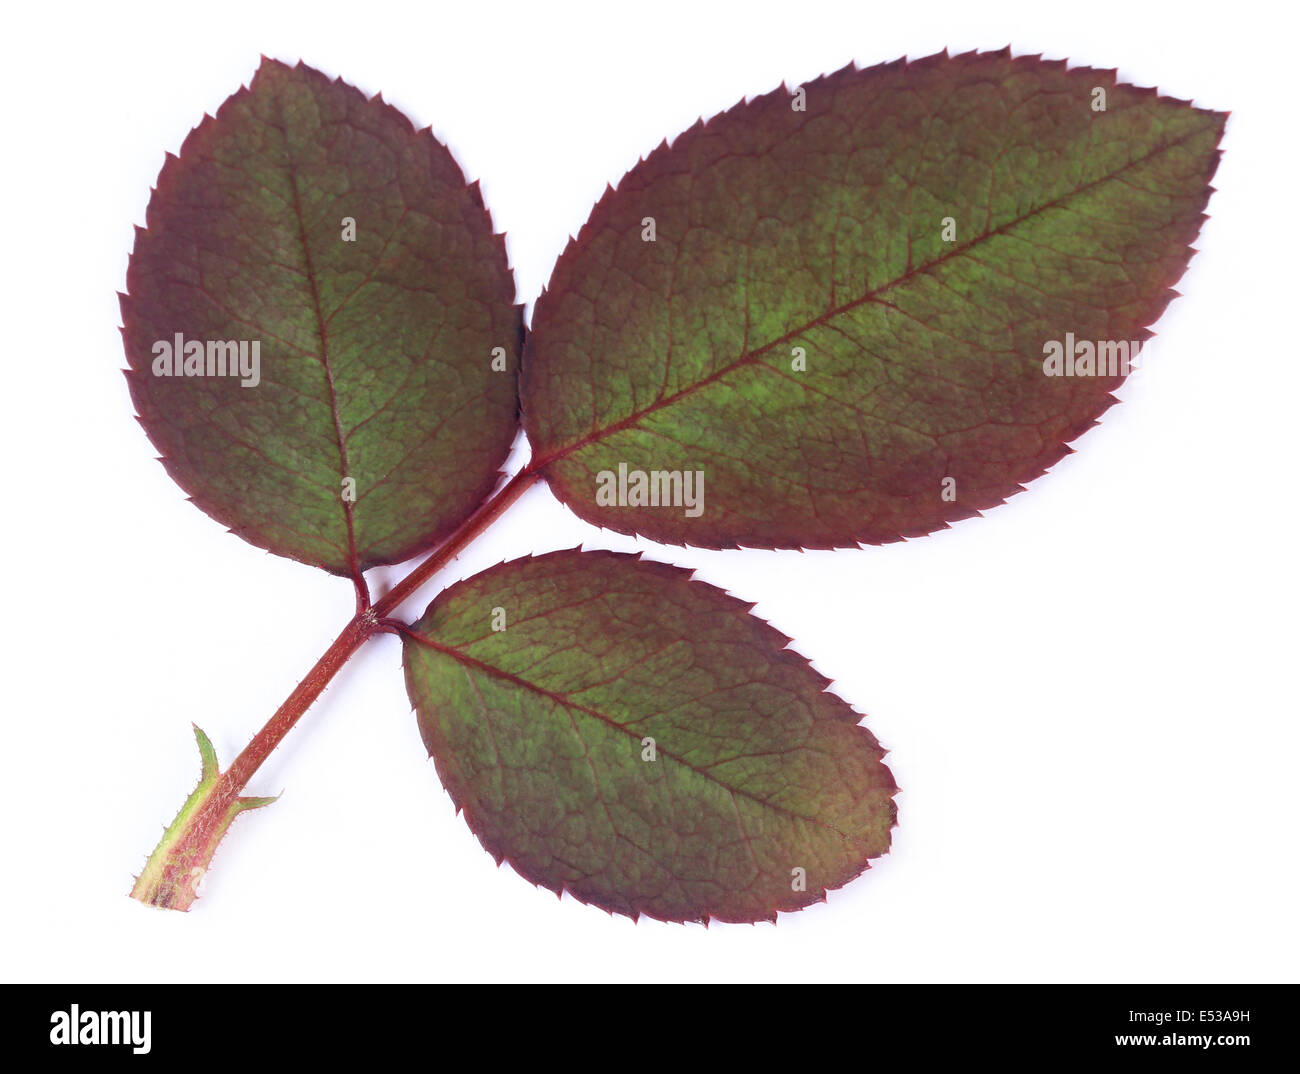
[1089, 695]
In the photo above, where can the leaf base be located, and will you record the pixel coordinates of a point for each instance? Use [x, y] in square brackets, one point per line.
[171, 877]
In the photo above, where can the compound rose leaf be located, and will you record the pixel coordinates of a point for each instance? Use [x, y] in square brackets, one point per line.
[864, 308]
[640, 740]
[321, 327]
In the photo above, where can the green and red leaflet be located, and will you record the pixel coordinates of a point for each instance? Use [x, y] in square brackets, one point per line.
[376, 351]
[842, 313]
[829, 305]
[642, 741]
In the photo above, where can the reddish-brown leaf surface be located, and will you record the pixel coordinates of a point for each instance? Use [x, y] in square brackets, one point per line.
[376, 421]
[830, 306]
[640, 740]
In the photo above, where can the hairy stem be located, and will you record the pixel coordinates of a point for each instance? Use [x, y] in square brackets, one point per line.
[171, 876]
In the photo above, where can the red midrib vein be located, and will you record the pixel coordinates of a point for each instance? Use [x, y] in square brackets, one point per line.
[751, 356]
[566, 702]
[339, 437]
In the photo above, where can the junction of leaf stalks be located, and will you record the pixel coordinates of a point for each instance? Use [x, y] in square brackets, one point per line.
[172, 875]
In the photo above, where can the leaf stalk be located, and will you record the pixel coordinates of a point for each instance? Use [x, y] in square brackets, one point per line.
[171, 877]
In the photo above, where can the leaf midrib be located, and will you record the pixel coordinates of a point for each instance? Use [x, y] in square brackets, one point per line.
[573, 706]
[751, 356]
[340, 438]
